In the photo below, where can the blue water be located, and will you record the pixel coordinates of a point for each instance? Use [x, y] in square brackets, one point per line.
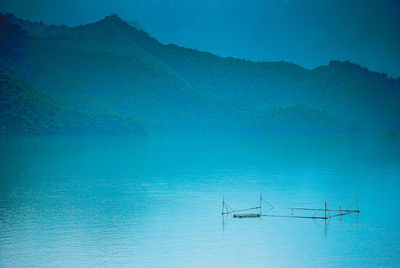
[156, 202]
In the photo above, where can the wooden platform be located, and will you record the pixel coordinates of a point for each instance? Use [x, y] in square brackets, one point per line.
[249, 215]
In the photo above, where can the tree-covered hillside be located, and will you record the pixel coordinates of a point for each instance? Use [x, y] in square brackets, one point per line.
[25, 110]
[110, 67]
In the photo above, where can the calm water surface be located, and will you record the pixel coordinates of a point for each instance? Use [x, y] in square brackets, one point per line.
[156, 202]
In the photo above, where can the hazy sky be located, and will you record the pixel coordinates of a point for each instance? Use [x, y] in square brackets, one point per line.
[307, 32]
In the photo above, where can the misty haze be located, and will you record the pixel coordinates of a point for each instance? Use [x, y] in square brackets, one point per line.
[201, 134]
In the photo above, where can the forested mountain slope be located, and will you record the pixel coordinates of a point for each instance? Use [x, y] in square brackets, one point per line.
[110, 67]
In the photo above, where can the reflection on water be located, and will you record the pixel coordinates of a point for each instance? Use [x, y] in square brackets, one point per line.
[156, 202]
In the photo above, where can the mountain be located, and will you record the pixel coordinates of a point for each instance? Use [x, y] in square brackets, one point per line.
[111, 67]
[27, 111]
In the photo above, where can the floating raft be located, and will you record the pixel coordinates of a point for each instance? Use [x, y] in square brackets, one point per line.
[248, 215]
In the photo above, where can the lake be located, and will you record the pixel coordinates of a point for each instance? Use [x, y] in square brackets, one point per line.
[156, 202]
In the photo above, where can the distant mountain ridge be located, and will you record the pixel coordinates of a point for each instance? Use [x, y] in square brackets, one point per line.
[111, 67]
